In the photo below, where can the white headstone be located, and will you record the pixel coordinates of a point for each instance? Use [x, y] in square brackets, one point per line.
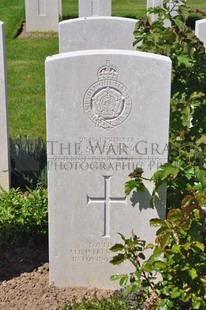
[154, 3]
[60, 7]
[200, 30]
[4, 138]
[159, 3]
[95, 33]
[107, 112]
[42, 15]
[95, 8]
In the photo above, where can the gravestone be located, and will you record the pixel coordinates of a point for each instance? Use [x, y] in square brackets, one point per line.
[172, 7]
[60, 7]
[95, 8]
[4, 143]
[200, 30]
[107, 113]
[95, 33]
[153, 4]
[42, 15]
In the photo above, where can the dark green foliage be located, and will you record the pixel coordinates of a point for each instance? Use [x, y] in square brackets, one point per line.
[187, 148]
[192, 18]
[28, 162]
[23, 215]
[113, 303]
[178, 254]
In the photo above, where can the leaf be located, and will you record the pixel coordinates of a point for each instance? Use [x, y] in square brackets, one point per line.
[115, 277]
[164, 228]
[187, 246]
[175, 294]
[157, 222]
[139, 186]
[129, 186]
[199, 245]
[201, 140]
[149, 246]
[177, 20]
[164, 240]
[196, 304]
[122, 236]
[159, 266]
[163, 307]
[183, 9]
[174, 215]
[201, 175]
[141, 255]
[118, 259]
[164, 172]
[147, 267]
[131, 289]
[137, 173]
[193, 273]
[123, 281]
[196, 96]
[117, 247]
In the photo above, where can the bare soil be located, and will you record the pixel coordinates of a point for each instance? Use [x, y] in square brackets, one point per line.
[24, 283]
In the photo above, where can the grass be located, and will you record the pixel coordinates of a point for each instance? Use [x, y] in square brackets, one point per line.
[26, 57]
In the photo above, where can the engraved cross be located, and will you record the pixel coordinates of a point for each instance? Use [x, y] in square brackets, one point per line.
[95, 8]
[107, 200]
[41, 7]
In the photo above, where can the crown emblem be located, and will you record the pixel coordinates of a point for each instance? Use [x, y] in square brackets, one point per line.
[108, 71]
[107, 102]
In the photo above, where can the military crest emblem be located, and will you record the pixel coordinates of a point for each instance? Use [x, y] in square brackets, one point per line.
[107, 102]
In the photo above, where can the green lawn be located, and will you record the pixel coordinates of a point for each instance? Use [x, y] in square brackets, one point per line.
[25, 62]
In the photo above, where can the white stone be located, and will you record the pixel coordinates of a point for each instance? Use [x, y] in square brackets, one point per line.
[42, 15]
[95, 8]
[4, 137]
[107, 112]
[60, 7]
[159, 3]
[95, 33]
[154, 3]
[200, 30]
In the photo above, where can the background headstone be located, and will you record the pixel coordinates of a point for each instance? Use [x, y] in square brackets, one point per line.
[95, 8]
[107, 112]
[155, 3]
[60, 7]
[4, 139]
[200, 30]
[95, 33]
[42, 15]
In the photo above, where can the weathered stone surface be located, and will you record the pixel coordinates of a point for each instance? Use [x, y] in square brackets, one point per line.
[42, 15]
[107, 113]
[200, 30]
[95, 33]
[4, 140]
[95, 8]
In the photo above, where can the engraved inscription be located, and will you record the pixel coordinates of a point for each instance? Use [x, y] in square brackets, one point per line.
[92, 7]
[107, 102]
[107, 200]
[41, 7]
[95, 8]
[106, 154]
[93, 252]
